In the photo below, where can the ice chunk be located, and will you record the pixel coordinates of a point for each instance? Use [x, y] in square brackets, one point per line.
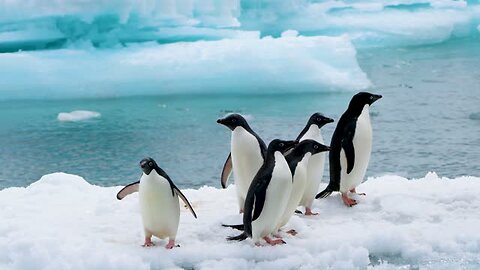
[76, 116]
[248, 65]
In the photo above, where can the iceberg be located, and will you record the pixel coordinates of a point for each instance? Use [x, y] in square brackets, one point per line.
[32, 25]
[247, 65]
[63, 222]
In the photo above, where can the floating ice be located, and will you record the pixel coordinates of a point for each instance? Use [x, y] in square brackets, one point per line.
[248, 65]
[426, 223]
[77, 116]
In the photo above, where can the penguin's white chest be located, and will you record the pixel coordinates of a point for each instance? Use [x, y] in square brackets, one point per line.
[298, 189]
[160, 209]
[362, 144]
[315, 167]
[246, 158]
[276, 198]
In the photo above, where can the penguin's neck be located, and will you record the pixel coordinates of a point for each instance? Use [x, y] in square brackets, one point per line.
[272, 156]
[296, 159]
[312, 131]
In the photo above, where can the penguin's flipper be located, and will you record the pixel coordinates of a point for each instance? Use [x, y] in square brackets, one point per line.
[184, 199]
[128, 189]
[254, 202]
[227, 171]
[347, 145]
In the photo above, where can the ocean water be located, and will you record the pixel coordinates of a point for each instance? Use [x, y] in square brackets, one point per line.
[427, 121]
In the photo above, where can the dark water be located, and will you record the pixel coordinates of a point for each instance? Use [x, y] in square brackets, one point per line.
[427, 121]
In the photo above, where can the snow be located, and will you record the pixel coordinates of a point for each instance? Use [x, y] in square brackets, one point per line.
[253, 64]
[76, 116]
[63, 222]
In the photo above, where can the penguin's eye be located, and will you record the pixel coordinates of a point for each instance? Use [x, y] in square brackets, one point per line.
[318, 119]
[281, 144]
[315, 146]
[371, 97]
[150, 164]
[234, 120]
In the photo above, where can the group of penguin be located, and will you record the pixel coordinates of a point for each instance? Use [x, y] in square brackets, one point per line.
[271, 181]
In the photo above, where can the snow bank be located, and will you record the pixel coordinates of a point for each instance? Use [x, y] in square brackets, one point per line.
[248, 65]
[77, 116]
[62, 222]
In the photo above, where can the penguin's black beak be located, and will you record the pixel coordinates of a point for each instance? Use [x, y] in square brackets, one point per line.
[329, 120]
[376, 97]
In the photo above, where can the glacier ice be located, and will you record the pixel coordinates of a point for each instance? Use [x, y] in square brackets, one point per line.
[289, 63]
[36, 24]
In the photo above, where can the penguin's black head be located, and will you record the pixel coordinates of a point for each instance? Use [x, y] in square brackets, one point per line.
[319, 119]
[147, 165]
[363, 98]
[233, 120]
[280, 145]
[311, 146]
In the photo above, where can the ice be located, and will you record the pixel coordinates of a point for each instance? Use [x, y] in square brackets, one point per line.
[247, 65]
[63, 222]
[35, 24]
[76, 116]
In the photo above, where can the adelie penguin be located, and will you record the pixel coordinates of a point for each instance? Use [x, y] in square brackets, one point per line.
[351, 147]
[298, 161]
[159, 203]
[247, 153]
[316, 163]
[268, 195]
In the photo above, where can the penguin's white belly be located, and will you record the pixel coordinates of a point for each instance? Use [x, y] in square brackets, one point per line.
[362, 143]
[298, 189]
[315, 169]
[246, 159]
[276, 198]
[160, 210]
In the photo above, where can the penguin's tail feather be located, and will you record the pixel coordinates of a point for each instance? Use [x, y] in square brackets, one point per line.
[324, 193]
[239, 237]
[239, 227]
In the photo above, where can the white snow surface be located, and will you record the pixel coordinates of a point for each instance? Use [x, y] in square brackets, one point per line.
[63, 222]
[76, 116]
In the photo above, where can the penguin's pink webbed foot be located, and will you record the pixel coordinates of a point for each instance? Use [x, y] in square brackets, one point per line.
[308, 212]
[292, 232]
[171, 244]
[354, 191]
[274, 242]
[148, 242]
[347, 201]
[241, 211]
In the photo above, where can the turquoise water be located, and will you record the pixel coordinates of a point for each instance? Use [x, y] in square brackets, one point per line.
[428, 120]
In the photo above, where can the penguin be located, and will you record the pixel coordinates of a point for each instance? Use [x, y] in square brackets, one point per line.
[316, 163]
[159, 203]
[268, 195]
[246, 156]
[298, 161]
[351, 147]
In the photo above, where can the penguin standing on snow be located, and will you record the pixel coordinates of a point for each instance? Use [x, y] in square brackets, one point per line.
[268, 195]
[158, 203]
[298, 160]
[246, 155]
[351, 147]
[316, 163]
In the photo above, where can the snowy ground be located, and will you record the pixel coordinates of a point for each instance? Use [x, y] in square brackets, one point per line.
[62, 222]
